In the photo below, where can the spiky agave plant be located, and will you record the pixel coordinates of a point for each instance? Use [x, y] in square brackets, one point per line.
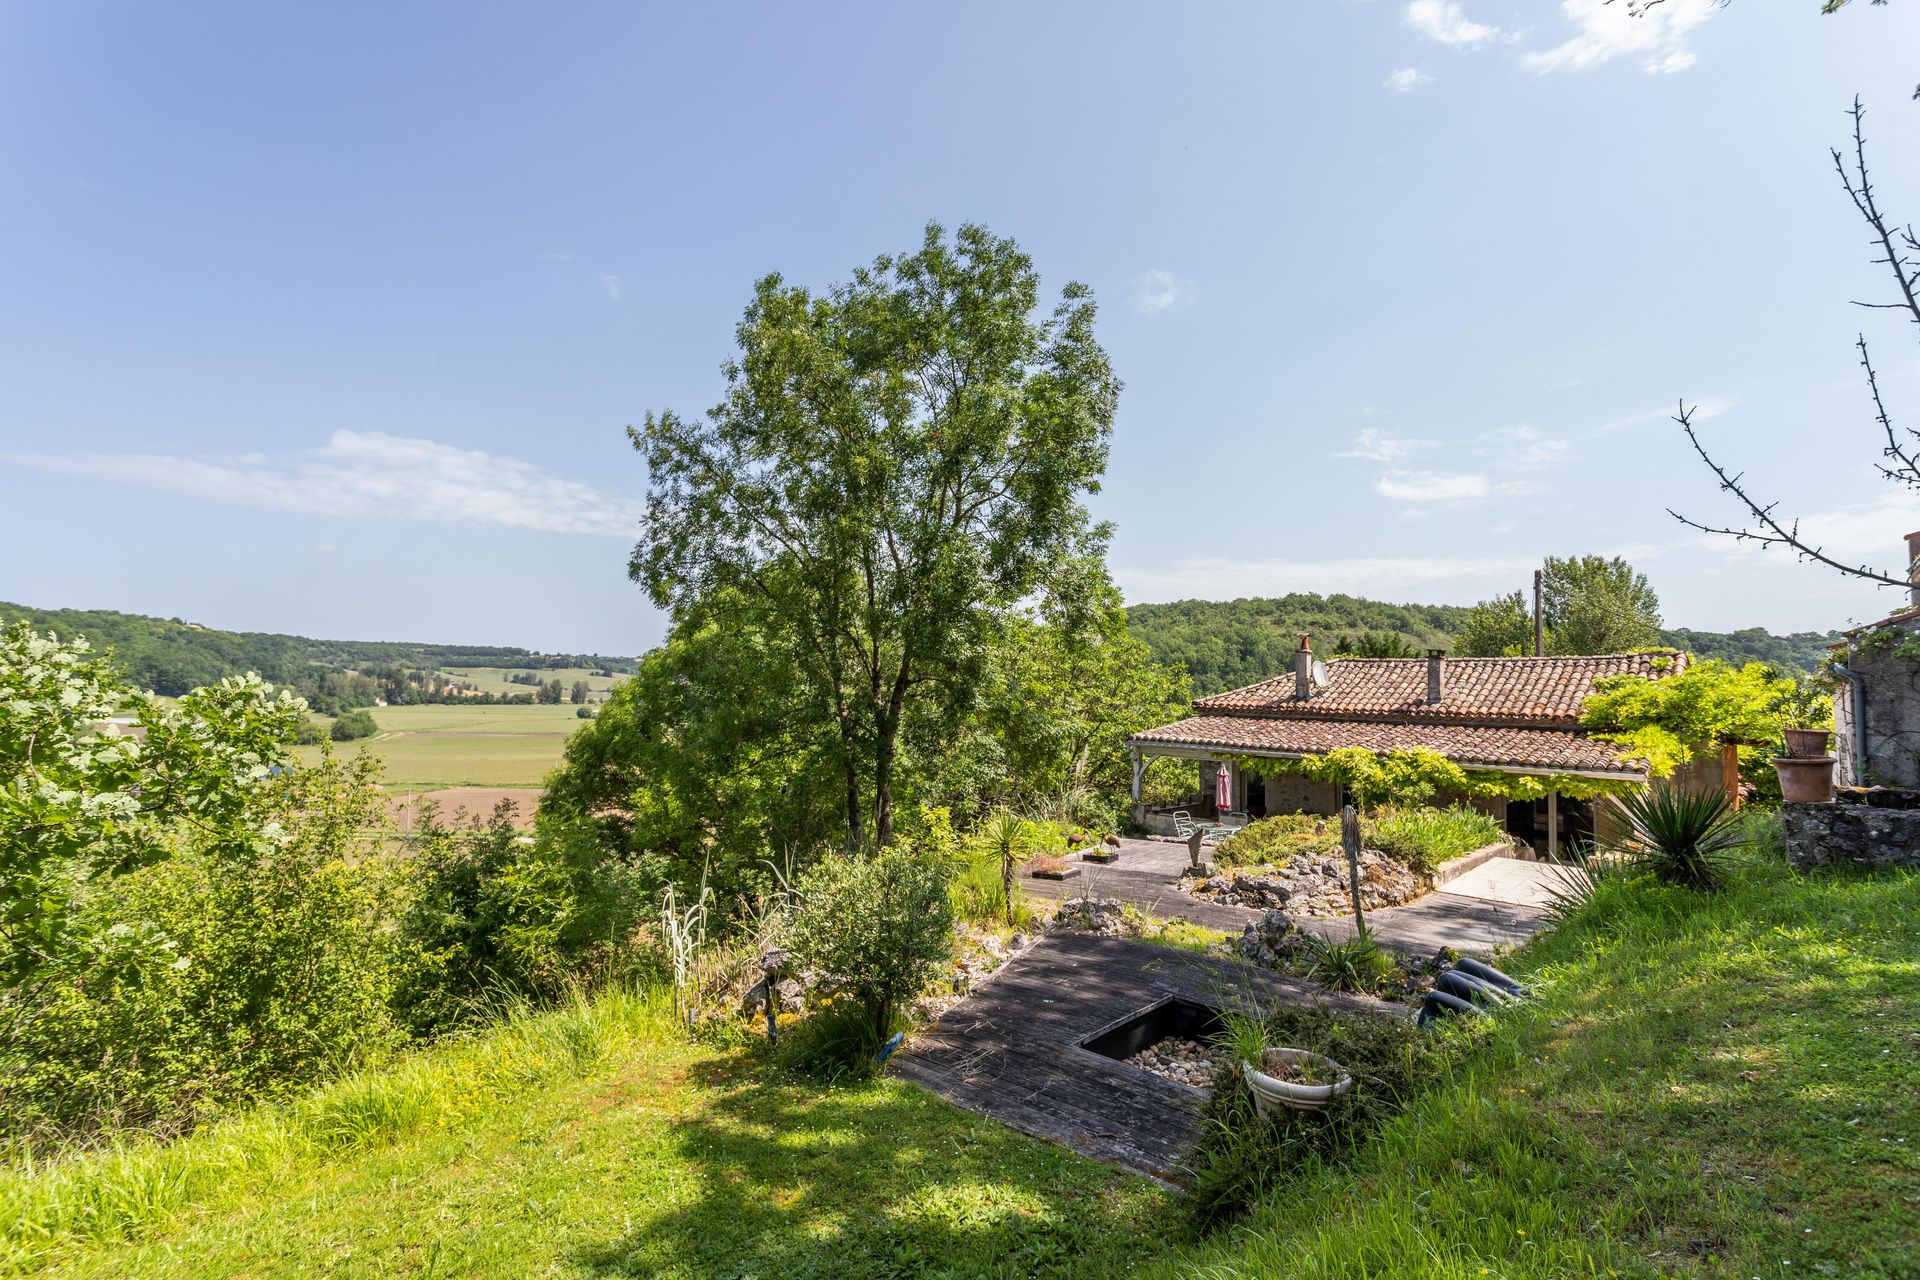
[1683, 837]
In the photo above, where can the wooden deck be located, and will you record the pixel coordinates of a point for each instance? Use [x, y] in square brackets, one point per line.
[1013, 1049]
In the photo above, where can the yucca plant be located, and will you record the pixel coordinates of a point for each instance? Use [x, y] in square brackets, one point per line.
[1683, 837]
[1007, 837]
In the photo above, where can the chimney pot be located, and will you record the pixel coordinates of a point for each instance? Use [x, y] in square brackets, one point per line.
[1436, 675]
[1303, 669]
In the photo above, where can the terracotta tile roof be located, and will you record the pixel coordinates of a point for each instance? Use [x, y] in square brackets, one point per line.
[1512, 691]
[1547, 750]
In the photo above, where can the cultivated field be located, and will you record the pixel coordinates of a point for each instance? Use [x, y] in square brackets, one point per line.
[455, 746]
[494, 679]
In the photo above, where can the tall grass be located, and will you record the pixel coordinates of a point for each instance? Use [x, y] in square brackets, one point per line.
[1424, 838]
[979, 893]
[50, 1206]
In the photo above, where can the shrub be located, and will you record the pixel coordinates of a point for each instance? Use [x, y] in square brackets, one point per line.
[1266, 841]
[353, 725]
[1683, 837]
[879, 927]
[496, 912]
[231, 971]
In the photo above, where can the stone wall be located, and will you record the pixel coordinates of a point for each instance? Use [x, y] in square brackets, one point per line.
[1822, 835]
[1296, 793]
[1890, 694]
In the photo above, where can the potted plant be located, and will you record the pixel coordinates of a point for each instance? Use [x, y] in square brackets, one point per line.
[1802, 712]
[1296, 1078]
[1104, 850]
[1804, 779]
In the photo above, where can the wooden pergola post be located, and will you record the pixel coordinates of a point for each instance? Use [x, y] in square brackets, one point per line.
[1730, 772]
[1553, 826]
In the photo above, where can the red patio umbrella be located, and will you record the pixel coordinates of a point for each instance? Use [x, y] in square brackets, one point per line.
[1222, 790]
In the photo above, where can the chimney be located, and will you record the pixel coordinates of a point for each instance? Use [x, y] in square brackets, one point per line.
[1436, 675]
[1303, 669]
[1913, 568]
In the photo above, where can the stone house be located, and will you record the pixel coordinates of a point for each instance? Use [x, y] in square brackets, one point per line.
[1500, 715]
[1876, 699]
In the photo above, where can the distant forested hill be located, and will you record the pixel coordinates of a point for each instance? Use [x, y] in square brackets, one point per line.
[1229, 643]
[170, 656]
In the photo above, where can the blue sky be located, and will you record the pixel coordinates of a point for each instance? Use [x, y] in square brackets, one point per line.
[329, 320]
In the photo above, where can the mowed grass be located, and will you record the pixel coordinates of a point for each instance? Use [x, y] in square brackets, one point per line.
[591, 1142]
[1723, 1085]
[1711, 1086]
[457, 745]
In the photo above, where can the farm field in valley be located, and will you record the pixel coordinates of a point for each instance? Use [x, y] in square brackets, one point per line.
[494, 679]
[426, 747]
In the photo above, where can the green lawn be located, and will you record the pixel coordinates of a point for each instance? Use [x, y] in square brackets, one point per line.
[454, 745]
[645, 1156]
[1708, 1086]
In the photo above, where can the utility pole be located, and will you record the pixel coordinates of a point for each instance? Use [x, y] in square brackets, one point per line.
[1539, 616]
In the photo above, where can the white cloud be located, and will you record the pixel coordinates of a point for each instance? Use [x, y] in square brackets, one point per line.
[1657, 35]
[1407, 79]
[1443, 20]
[1375, 445]
[1432, 486]
[371, 475]
[1703, 411]
[1462, 578]
[1156, 290]
[612, 285]
[1522, 447]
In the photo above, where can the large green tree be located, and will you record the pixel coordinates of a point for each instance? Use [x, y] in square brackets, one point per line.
[896, 463]
[1589, 604]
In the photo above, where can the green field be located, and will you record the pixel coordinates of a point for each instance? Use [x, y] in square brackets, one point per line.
[494, 679]
[450, 746]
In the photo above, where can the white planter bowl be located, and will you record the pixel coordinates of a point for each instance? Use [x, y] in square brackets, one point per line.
[1269, 1092]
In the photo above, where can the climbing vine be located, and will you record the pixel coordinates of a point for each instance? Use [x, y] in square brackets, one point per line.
[1415, 775]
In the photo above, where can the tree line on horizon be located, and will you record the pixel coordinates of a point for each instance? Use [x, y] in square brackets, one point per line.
[171, 657]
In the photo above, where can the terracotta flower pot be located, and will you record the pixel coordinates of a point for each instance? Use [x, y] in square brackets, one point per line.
[1805, 781]
[1807, 744]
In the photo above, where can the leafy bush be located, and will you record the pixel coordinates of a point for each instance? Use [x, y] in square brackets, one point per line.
[1243, 1159]
[495, 912]
[1425, 838]
[353, 725]
[879, 927]
[1683, 837]
[233, 970]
